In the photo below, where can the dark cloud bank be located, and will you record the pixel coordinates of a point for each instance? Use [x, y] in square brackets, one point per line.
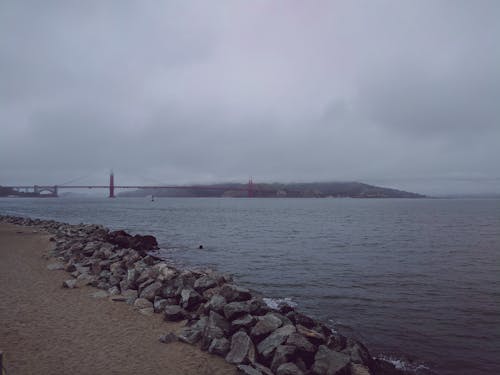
[398, 93]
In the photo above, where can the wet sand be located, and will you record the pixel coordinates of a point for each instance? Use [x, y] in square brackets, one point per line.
[45, 329]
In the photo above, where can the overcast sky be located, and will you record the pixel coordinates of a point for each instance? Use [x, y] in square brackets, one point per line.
[399, 93]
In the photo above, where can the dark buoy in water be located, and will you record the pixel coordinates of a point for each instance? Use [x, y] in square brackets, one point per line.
[200, 247]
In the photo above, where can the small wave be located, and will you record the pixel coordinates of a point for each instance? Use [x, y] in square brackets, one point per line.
[275, 303]
[404, 365]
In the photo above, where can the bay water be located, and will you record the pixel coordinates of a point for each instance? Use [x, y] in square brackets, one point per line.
[416, 280]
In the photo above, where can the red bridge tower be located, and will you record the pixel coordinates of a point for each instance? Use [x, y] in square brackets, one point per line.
[111, 185]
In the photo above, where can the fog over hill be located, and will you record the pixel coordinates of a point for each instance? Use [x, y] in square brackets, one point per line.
[281, 190]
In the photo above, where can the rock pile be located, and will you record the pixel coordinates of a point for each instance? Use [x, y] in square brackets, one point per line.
[223, 318]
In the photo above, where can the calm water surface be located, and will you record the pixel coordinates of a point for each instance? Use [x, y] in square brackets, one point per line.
[416, 280]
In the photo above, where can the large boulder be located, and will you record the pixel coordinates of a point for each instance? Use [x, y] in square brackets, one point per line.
[217, 328]
[190, 299]
[357, 369]
[159, 304]
[267, 346]
[246, 321]
[282, 354]
[267, 324]
[151, 291]
[315, 337]
[193, 333]
[289, 368]
[328, 362]
[233, 310]
[303, 345]
[119, 237]
[175, 313]
[143, 243]
[219, 346]
[216, 303]
[358, 352]
[302, 319]
[137, 242]
[242, 349]
[233, 293]
[205, 282]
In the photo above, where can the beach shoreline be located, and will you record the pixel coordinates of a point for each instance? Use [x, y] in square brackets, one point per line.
[47, 329]
[202, 308]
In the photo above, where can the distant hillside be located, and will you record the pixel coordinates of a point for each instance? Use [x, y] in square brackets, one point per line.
[292, 190]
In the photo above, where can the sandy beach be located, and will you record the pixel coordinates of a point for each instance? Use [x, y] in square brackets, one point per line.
[46, 329]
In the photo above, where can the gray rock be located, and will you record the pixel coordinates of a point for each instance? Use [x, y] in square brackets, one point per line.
[357, 369]
[242, 349]
[216, 303]
[336, 342]
[132, 276]
[233, 310]
[209, 293]
[185, 280]
[114, 291]
[258, 306]
[168, 338]
[327, 362]
[85, 279]
[55, 266]
[144, 285]
[267, 346]
[193, 334]
[233, 293]
[142, 303]
[315, 337]
[358, 352]
[159, 304]
[263, 369]
[245, 321]
[289, 369]
[116, 268]
[151, 291]
[219, 346]
[175, 313]
[130, 295]
[302, 319]
[172, 301]
[267, 324]
[282, 354]
[248, 370]
[70, 284]
[104, 264]
[217, 327]
[114, 280]
[165, 272]
[204, 283]
[190, 299]
[70, 267]
[169, 291]
[301, 343]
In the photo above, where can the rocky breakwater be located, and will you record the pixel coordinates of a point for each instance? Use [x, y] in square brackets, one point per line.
[221, 317]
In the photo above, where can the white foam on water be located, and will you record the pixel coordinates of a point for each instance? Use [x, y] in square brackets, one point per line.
[275, 303]
[403, 365]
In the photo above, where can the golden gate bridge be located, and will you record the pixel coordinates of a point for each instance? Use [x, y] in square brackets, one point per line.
[53, 190]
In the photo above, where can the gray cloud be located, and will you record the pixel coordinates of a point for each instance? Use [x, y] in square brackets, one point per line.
[399, 93]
